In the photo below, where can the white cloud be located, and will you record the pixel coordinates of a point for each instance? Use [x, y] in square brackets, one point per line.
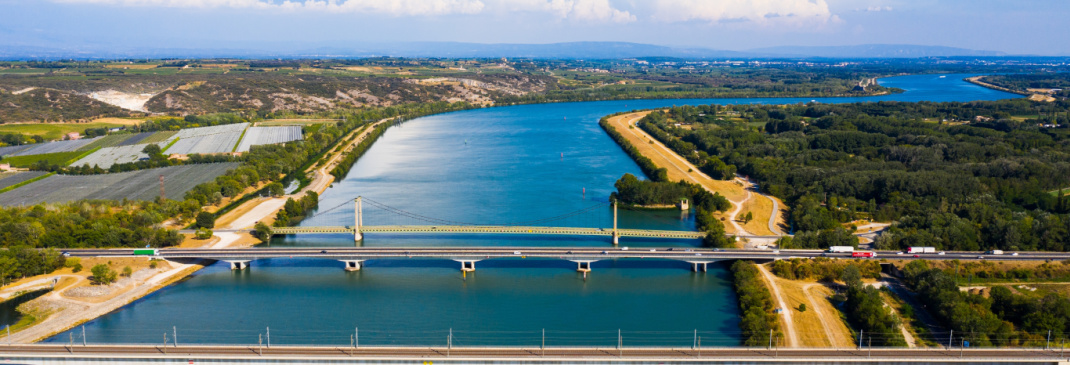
[876, 8]
[394, 7]
[772, 12]
[578, 10]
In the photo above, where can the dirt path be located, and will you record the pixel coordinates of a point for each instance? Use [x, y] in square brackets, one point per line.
[820, 313]
[785, 312]
[738, 191]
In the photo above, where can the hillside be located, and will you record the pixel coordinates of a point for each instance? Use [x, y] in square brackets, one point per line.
[50, 105]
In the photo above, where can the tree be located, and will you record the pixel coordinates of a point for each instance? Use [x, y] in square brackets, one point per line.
[748, 217]
[203, 234]
[102, 274]
[205, 220]
[127, 271]
[152, 150]
[262, 232]
[276, 189]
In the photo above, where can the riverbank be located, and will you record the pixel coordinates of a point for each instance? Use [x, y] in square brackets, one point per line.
[976, 80]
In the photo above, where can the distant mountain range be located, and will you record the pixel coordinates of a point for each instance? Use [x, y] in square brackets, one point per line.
[571, 50]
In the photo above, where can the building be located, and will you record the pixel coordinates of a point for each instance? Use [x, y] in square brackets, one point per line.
[73, 136]
[5, 167]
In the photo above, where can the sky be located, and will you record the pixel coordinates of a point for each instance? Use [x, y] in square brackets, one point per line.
[1011, 26]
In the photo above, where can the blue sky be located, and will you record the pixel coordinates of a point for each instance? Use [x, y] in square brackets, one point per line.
[1017, 27]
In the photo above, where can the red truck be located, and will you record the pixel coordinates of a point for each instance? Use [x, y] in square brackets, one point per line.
[863, 254]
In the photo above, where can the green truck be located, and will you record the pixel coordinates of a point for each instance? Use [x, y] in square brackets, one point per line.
[146, 252]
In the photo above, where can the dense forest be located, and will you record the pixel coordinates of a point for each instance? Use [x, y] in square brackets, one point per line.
[957, 176]
[756, 306]
[93, 224]
[1023, 82]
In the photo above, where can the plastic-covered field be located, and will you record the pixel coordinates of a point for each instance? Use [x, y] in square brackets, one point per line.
[53, 147]
[11, 150]
[105, 157]
[134, 185]
[218, 139]
[135, 139]
[256, 136]
[12, 178]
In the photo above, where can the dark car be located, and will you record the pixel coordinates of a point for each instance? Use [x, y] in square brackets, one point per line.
[324, 251]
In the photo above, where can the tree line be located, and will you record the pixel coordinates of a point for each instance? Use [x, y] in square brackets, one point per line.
[981, 185]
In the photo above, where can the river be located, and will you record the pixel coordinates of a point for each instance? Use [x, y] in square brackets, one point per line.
[486, 166]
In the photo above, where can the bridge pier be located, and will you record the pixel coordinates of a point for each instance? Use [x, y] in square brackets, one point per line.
[239, 265]
[352, 265]
[467, 265]
[583, 266]
[697, 266]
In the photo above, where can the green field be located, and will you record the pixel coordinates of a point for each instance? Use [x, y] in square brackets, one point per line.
[58, 158]
[53, 131]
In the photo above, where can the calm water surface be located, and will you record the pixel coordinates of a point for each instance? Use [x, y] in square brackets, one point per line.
[487, 166]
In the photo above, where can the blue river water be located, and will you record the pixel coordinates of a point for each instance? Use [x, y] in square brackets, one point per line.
[498, 165]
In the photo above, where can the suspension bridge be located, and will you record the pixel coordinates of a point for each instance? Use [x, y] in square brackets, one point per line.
[431, 225]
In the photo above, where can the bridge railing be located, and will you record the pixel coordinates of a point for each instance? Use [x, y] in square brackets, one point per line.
[538, 338]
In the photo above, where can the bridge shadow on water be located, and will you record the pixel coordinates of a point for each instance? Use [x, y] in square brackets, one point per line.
[494, 263]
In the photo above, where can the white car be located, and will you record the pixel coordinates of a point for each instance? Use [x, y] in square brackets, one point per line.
[653, 250]
[516, 252]
[776, 252]
[899, 253]
[980, 257]
[624, 249]
[1014, 254]
[941, 253]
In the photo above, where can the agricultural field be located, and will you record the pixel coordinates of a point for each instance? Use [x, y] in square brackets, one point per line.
[159, 137]
[110, 140]
[135, 139]
[13, 178]
[105, 157]
[56, 158]
[135, 185]
[217, 139]
[56, 131]
[54, 147]
[256, 136]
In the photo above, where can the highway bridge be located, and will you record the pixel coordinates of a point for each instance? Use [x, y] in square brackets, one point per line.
[582, 256]
[258, 354]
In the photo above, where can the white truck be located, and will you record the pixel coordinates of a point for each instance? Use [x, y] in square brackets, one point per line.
[841, 249]
[921, 249]
[995, 252]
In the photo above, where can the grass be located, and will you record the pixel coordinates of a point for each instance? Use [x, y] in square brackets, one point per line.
[809, 325]
[760, 207]
[1055, 193]
[13, 187]
[159, 137]
[164, 149]
[236, 144]
[58, 158]
[53, 131]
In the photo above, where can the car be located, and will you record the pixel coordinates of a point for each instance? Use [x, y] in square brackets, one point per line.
[689, 250]
[324, 251]
[605, 253]
[941, 253]
[669, 249]
[776, 252]
[717, 250]
[601, 229]
[516, 252]
[66, 254]
[898, 253]
[568, 253]
[624, 249]
[1014, 254]
[698, 254]
[653, 250]
[917, 256]
[980, 257]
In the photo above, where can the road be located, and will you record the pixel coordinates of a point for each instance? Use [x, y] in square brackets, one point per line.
[516, 354]
[568, 253]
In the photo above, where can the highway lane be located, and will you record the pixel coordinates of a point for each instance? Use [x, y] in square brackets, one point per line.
[568, 253]
[531, 354]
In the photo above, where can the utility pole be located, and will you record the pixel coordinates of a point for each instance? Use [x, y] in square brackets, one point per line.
[770, 339]
[163, 195]
[269, 337]
[83, 335]
[175, 329]
[616, 236]
[694, 341]
[356, 337]
[860, 334]
[950, 337]
[543, 346]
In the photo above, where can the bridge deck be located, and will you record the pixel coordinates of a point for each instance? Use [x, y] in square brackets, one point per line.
[344, 354]
[568, 231]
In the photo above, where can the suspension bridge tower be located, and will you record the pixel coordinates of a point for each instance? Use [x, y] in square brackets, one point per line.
[616, 235]
[358, 220]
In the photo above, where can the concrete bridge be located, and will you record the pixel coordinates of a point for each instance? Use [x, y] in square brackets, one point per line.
[699, 258]
[258, 354]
